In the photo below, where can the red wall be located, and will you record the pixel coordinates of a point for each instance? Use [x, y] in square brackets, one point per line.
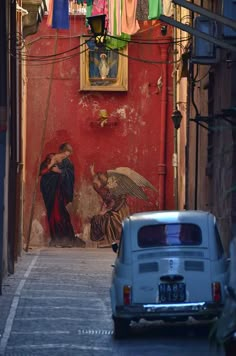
[142, 140]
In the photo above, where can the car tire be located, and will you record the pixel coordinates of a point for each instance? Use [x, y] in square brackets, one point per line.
[230, 347]
[121, 328]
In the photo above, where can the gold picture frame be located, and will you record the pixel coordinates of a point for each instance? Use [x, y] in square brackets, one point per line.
[101, 68]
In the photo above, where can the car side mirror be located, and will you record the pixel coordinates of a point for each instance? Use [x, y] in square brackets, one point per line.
[114, 247]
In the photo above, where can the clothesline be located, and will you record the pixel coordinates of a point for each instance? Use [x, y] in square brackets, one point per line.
[122, 16]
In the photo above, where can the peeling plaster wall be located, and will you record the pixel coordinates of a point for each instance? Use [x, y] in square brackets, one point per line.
[134, 142]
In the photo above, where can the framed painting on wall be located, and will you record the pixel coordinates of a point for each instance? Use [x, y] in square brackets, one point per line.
[101, 68]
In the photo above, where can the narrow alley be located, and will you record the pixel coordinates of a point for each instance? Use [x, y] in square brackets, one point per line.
[57, 303]
[108, 109]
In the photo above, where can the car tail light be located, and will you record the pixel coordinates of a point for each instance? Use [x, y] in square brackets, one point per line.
[216, 291]
[127, 295]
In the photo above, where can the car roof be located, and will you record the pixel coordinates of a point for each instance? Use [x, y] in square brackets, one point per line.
[171, 216]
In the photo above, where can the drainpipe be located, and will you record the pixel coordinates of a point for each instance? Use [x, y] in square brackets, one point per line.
[197, 131]
[196, 160]
[175, 160]
[190, 93]
[163, 122]
[12, 221]
[3, 121]
[187, 156]
[19, 196]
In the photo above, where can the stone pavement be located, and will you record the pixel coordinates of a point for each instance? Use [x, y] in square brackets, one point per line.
[49, 305]
[57, 303]
[11, 285]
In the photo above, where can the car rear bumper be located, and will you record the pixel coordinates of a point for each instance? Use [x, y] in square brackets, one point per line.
[201, 310]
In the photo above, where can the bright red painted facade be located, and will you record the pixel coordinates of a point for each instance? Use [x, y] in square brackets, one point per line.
[58, 112]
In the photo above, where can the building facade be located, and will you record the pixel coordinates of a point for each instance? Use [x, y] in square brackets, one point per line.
[11, 127]
[205, 95]
[46, 104]
[136, 133]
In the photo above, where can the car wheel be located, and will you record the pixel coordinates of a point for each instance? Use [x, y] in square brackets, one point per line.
[121, 327]
[230, 347]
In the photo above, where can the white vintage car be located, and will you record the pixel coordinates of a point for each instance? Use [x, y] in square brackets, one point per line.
[169, 266]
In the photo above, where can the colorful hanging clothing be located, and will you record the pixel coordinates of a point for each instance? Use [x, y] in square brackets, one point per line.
[100, 7]
[129, 23]
[155, 9]
[50, 12]
[114, 29]
[119, 42]
[82, 2]
[115, 12]
[167, 8]
[89, 10]
[58, 14]
[142, 10]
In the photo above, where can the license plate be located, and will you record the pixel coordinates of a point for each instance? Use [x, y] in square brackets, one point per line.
[172, 292]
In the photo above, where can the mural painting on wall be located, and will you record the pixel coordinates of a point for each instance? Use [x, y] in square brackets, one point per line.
[57, 188]
[114, 186]
[103, 68]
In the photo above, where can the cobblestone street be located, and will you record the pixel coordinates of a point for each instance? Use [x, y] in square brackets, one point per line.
[57, 303]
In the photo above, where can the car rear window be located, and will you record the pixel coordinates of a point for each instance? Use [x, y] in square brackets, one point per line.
[169, 235]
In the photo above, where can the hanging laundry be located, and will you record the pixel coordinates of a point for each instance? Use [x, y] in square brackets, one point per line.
[89, 2]
[120, 40]
[89, 8]
[155, 9]
[167, 8]
[82, 2]
[115, 12]
[100, 7]
[129, 22]
[58, 14]
[50, 12]
[142, 10]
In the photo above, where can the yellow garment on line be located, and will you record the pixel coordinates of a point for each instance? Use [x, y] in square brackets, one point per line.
[167, 8]
[129, 23]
